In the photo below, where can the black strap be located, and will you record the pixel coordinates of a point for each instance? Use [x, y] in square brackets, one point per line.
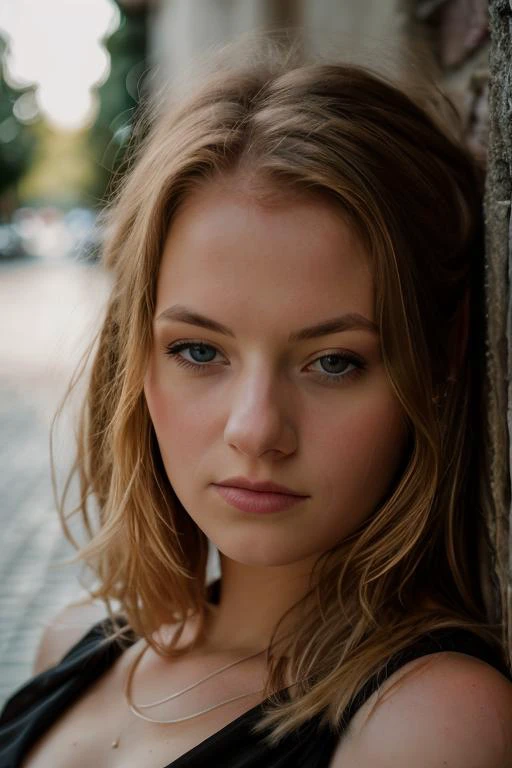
[457, 639]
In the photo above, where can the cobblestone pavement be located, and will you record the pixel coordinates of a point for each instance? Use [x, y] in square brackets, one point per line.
[48, 313]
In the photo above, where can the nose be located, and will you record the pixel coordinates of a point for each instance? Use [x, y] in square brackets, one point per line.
[260, 417]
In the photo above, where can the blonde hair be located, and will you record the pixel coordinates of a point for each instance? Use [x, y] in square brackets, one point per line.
[414, 194]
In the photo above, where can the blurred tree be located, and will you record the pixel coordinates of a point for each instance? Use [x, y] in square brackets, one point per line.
[18, 138]
[119, 97]
[61, 172]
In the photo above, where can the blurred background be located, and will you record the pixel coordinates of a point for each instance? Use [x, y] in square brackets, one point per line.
[73, 74]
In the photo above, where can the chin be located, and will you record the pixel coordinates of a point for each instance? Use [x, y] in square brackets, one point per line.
[252, 554]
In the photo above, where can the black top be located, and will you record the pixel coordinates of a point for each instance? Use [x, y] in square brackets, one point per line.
[33, 708]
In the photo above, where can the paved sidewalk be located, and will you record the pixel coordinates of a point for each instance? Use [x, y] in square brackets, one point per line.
[31, 542]
[48, 311]
[48, 314]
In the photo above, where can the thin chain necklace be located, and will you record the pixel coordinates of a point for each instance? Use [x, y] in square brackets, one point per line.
[136, 709]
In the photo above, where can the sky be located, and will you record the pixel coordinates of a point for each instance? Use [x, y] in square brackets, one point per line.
[56, 44]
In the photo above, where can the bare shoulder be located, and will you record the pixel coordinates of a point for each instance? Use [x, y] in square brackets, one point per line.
[446, 709]
[64, 630]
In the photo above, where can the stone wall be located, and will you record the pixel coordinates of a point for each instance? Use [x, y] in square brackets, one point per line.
[499, 251]
[471, 48]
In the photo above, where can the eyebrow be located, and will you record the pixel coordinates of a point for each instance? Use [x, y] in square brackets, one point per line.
[348, 322]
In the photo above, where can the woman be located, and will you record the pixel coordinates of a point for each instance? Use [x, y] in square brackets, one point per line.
[297, 268]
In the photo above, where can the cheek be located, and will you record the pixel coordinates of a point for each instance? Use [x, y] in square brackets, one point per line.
[180, 426]
[359, 452]
[369, 434]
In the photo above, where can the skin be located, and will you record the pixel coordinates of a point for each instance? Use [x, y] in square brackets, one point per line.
[444, 710]
[261, 408]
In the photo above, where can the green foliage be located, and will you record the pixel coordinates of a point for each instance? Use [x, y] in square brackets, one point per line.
[119, 98]
[17, 139]
[61, 173]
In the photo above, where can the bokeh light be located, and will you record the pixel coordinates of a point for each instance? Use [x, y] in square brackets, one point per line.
[57, 45]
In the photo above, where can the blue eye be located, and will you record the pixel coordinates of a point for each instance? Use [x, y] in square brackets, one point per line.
[337, 360]
[197, 349]
[200, 351]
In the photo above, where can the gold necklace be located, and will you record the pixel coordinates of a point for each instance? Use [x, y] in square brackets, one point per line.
[136, 709]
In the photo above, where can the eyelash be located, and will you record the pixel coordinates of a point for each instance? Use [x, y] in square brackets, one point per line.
[173, 350]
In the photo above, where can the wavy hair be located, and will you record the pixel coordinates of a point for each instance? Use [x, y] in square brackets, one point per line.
[414, 193]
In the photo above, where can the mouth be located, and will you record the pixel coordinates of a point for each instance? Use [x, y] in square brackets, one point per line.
[260, 502]
[264, 486]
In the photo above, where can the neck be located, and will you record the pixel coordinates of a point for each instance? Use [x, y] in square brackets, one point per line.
[252, 601]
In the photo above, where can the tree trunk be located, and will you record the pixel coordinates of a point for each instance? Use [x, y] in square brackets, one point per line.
[499, 322]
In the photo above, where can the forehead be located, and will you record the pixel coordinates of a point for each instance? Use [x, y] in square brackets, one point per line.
[224, 248]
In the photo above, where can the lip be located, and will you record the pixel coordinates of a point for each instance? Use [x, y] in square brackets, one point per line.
[260, 502]
[269, 487]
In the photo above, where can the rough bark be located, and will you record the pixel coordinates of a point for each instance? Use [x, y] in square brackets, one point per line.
[498, 299]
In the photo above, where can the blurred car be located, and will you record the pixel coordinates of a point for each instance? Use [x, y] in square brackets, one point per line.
[86, 233]
[11, 243]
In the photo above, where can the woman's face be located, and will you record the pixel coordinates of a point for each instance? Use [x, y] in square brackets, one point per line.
[314, 413]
